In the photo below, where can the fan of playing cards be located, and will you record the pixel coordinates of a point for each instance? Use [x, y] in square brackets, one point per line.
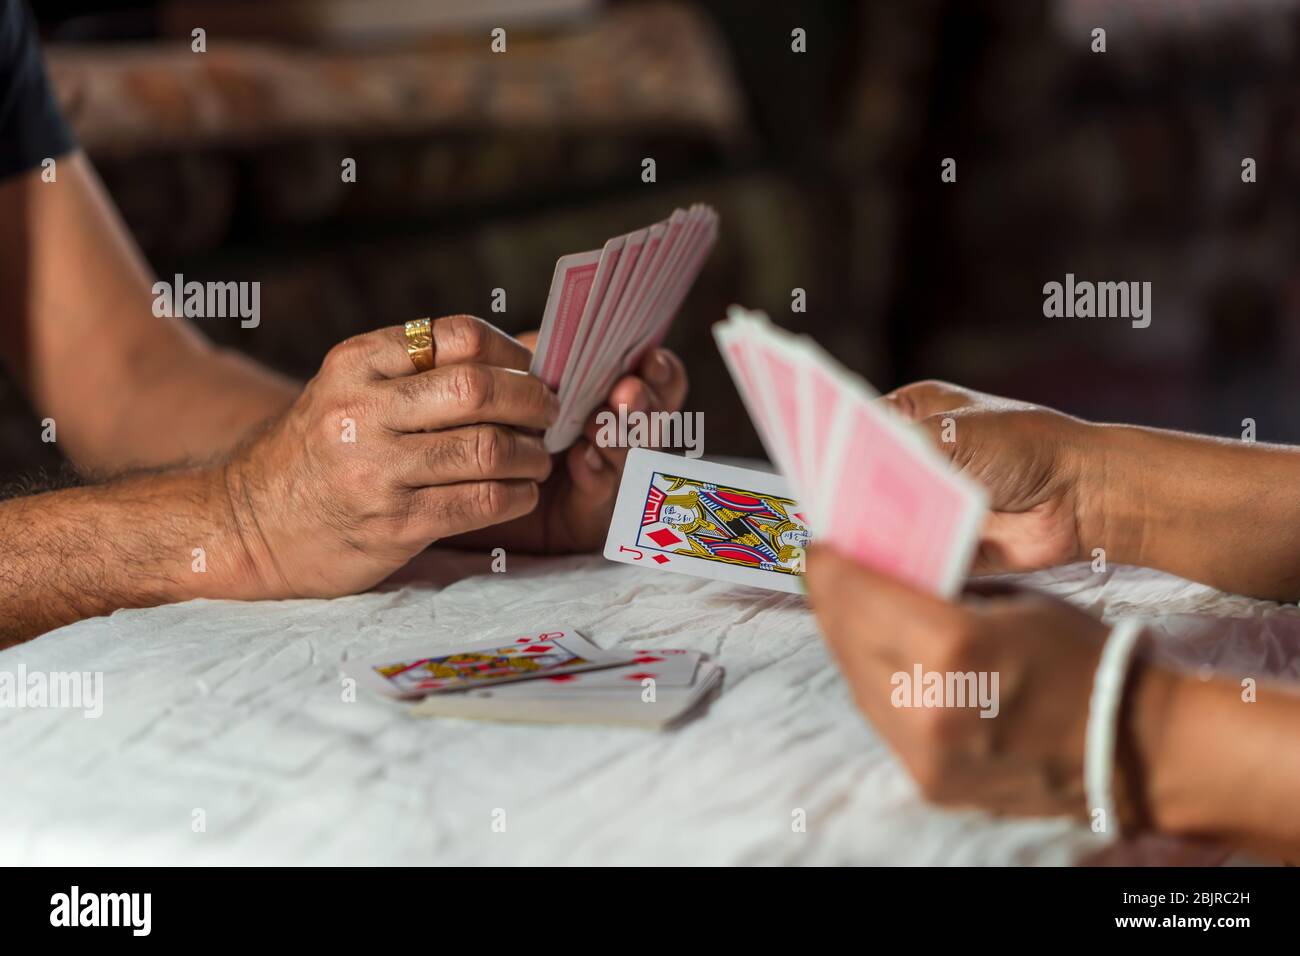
[855, 475]
[871, 482]
[606, 309]
[554, 676]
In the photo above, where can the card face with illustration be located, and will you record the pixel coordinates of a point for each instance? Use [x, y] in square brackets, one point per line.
[528, 656]
[715, 521]
[665, 668]
[667, 707]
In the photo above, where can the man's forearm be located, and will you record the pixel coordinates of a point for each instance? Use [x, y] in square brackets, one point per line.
[1225, 513]
[191, 403]
[136, 542]
[124, 387]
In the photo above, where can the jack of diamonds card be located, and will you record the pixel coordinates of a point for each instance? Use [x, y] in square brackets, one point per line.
[711, 520]
[423, 672]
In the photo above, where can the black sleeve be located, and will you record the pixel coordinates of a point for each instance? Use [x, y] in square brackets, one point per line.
[31, 127]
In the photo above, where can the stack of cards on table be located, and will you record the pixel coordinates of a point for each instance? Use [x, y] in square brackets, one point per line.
[553, 676]
[608, 308]
[872, 483]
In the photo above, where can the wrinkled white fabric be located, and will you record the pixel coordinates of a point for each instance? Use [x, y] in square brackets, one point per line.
[225, 737]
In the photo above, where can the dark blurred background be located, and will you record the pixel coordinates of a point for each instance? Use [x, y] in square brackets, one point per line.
[477, 170]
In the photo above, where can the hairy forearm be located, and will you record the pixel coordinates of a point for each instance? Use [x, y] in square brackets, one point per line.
[1219, 759]
[136, 542]
[1225, 513]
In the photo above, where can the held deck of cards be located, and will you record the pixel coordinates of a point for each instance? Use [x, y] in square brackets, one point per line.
[608, 308]
[853, 474]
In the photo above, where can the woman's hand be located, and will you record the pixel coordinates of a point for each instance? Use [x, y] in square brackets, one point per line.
[1194, 758]
[1034, 462]
[1220, 511]
[1026, 664]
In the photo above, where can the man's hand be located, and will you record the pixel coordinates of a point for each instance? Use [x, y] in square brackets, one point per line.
[578, 500]
[374, 462]
[371, 464]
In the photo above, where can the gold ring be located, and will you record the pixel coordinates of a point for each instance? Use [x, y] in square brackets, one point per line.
[419, 343]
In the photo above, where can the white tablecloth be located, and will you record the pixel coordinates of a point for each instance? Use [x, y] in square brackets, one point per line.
[225, 738]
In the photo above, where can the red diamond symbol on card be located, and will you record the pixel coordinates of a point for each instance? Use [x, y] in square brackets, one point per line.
[659, 558]
[560, 677]
[646, 659]
[663, 537]
[641, 676]
[537, 649]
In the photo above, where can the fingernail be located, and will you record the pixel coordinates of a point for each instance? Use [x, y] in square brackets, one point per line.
[659, 370]
[552, 407]
[593, 459]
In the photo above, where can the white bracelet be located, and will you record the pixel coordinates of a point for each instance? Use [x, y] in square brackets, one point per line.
[1103, 718]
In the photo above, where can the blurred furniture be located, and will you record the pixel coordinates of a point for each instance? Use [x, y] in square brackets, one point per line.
[1117, 166]
[352, 21]
[475, 171]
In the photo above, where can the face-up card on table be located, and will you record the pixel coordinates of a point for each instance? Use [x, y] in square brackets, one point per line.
[674, 668]
[666, 706]
[710, 520]
[528, 656]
